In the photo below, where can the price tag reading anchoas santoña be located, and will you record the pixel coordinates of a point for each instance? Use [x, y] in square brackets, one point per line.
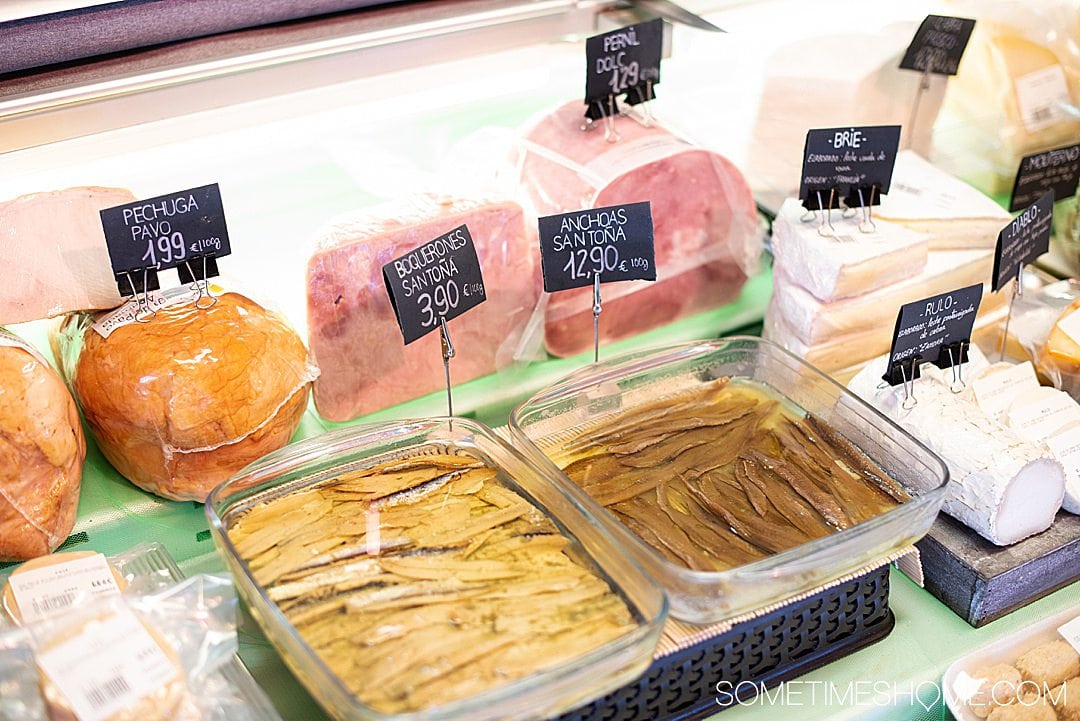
[938, 45]
[1023, 240]
[439, 280]
[928, 327]
[1056, 170]
[627, 61]
[184, 230]
[616, 242]
[850, 164]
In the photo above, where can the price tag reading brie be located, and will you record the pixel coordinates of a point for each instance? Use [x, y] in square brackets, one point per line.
[440, 279]
[624, 61]
[938, 45]
[1023, 240]
[615, 241]
[850, 164]
[925, 327]
[184, 230]
[1057, 171]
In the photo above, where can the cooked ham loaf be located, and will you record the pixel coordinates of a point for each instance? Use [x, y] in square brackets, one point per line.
[181, 402]
[41, 454]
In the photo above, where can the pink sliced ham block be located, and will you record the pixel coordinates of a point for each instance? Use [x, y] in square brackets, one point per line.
[354, 336]
[704, 218]
[53, 253]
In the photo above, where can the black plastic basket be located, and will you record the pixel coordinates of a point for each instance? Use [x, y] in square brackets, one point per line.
[775, 647]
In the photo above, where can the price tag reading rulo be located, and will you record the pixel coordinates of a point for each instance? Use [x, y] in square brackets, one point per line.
[439, 280]
[627, 61]
[926, 327]
[1023, 240]
[184, 230]
[938, 45]
[616, 242]
[850, 164]
[1056, 170]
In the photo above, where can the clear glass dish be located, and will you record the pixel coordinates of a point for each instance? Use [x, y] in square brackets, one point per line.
[318, 463]
[597, 394]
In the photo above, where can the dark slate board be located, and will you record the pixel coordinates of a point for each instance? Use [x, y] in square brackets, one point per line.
[982, 582]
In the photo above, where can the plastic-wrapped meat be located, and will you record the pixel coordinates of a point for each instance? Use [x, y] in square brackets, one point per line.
[704, 218]
[353, 333]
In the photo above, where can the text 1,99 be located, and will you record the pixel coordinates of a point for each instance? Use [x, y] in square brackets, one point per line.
[164, 249]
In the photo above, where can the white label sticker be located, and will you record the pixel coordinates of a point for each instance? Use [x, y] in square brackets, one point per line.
[1070, 326]
[624, 157]
[107, 666]
[155, 300]
[1071, 633]
[1042, 96]
[43, 591]
[1035, 416]
[1065, 446]
[995, 392]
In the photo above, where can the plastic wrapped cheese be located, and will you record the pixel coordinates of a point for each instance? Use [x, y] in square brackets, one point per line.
[830, 81]
[706, 231]
[53, 243]
[1017, 91]
[187, 397]
[927, 199]
[354, 335]
[41, 454]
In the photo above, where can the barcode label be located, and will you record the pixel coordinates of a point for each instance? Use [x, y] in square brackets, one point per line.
[40, 592]
[46, 604]
[105, 665]
[107, 691]
[1041, 95]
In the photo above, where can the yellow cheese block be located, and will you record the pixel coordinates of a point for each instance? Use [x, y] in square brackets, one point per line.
[1059, 359]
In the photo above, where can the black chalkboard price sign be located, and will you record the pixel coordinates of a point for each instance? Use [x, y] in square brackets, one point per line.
[938, 45]
[622, 62]
[927, 328]
[1056, 170]
[853, 165]
[184, 230]
[615, 241]
[1023, 240]
[440, 280]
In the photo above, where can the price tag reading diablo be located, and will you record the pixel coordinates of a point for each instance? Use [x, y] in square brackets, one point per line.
[440, 279]
[616, 242]
[178, 230]
[626, 60]
[1023, 240]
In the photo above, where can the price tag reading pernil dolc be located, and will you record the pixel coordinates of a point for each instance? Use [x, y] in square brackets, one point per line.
[938, 45]
[615, 241]
[626, 60]
[1023, 240]
[1056, 170]
[926, 328]
[850, 164]
[440, 279]
[184, 230]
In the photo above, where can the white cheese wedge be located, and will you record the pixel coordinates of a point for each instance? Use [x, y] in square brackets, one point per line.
[815, 321]
[1002, 487]
[830, 81]
[927, 199]
[849, 261]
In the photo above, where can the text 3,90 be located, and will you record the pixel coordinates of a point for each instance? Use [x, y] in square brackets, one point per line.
[439, 302]
[165, 249]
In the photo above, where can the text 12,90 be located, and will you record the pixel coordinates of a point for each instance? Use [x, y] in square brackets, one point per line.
[165, 249]
[604, 258]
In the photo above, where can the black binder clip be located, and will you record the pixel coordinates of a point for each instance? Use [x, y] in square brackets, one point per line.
[823, 201]
[640, 95]
[136, 284]
[953, 356]
[604, 109]
[864, 197]
[905, 373]
[195, 272]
